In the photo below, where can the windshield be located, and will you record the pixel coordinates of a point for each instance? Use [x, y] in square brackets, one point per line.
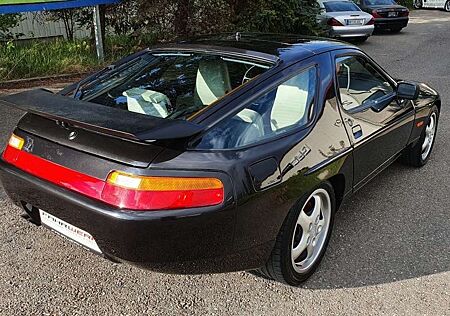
[380, 2]
[340, 6]
[170, 85]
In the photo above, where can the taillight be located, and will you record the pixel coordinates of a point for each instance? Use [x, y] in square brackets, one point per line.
[375, 14]
[334, 22]
[161, 193]
[16, 142]
[13, 148]
[121, 189]
[371, 22]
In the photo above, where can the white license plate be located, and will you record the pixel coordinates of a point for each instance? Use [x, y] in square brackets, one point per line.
[355, 22]
[392, 14]
[69, 231]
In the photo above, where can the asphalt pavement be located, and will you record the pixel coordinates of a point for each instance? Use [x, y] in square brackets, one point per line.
[389, 253]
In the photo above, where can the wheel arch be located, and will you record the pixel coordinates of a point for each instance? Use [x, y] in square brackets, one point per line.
[338, 183]
[438, 102]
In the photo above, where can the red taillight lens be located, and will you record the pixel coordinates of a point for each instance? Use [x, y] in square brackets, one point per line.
[334, 22]
[157, 193]
[121, 190]
[371, 22]
[375, 14]
[54, 173]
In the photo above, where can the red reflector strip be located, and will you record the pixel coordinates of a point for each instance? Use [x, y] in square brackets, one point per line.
[114, 195]
[54, 173]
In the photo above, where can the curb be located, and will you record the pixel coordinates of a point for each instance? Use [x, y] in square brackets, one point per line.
[12, 84]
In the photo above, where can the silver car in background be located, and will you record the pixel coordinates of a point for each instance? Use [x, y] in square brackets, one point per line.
[344, 19]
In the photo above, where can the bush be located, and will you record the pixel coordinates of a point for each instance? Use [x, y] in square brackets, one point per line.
[282, 16]
[7, 21]
[407, 3]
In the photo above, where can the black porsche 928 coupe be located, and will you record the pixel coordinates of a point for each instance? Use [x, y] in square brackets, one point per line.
[224, 153]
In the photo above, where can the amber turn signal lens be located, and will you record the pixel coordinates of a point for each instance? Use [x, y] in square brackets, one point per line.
[161, 193]
[143, 183]
[16, 142]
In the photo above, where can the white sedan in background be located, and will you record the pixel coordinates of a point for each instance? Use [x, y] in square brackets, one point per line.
[433, 4]
[344, 19]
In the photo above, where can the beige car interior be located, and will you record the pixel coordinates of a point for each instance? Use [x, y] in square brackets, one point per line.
[213, 81]
[355, 91]
[289, 106]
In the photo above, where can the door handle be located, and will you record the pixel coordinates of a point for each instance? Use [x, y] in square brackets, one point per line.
[357, 131]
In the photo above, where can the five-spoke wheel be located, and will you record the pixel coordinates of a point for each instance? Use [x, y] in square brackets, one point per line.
[430, 132]
[418, 154]
[311, 230]
[303, 238]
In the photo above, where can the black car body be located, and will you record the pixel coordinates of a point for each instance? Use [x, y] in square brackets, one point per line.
[387, 14]
[71, 147]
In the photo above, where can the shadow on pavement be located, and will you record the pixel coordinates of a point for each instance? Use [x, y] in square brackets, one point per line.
[389, 231]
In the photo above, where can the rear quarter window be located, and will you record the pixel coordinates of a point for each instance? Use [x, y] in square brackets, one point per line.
[283, 108]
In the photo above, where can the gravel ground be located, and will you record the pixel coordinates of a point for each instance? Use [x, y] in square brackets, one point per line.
[389, 254]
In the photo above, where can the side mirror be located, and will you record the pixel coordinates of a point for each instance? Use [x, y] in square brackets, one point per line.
[408, 91]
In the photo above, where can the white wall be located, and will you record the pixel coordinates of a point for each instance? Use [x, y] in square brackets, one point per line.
[35, 26]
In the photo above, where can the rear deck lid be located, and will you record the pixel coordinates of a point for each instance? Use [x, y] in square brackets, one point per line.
[130, 138]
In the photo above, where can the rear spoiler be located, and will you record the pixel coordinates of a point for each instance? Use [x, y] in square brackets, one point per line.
[99, 118]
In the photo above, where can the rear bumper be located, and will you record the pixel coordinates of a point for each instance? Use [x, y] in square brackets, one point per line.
[387, 23]
[183, 241]
[352, 31]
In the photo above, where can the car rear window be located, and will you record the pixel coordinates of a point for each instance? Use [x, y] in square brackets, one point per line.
[340, 6]
[170, 85]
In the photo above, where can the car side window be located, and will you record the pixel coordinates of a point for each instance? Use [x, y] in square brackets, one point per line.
[359, 82]
[285, 107]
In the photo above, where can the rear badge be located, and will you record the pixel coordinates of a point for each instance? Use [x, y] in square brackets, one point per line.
[29, 144]
[73, 135]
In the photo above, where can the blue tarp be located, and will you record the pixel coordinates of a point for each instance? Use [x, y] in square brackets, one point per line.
[57, 5]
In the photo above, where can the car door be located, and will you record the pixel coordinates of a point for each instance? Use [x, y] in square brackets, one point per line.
[378, 124]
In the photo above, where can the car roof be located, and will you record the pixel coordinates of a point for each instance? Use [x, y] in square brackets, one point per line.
[267, 46]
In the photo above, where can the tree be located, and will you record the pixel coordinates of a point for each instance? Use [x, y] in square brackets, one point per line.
[68, 17]
[279, 16]
[8, 21]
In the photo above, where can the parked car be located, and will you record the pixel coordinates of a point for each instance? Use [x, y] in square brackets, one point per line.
[388, 14]
[224, 153]
[344, 19]
[433, 4]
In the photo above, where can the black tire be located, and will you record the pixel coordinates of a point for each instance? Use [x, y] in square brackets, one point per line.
[280, 266]
[361, 39]
[447, 6]
[396, 29]
[412, 156]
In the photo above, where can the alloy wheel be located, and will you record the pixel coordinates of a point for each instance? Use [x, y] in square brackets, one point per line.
[311, 231]
[430, 133]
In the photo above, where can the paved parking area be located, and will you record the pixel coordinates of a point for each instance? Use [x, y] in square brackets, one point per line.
[389, 254]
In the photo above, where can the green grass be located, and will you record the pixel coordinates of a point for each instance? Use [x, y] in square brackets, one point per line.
[38, 58]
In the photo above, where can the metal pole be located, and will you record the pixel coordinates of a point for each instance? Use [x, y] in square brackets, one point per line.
[98, 34]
